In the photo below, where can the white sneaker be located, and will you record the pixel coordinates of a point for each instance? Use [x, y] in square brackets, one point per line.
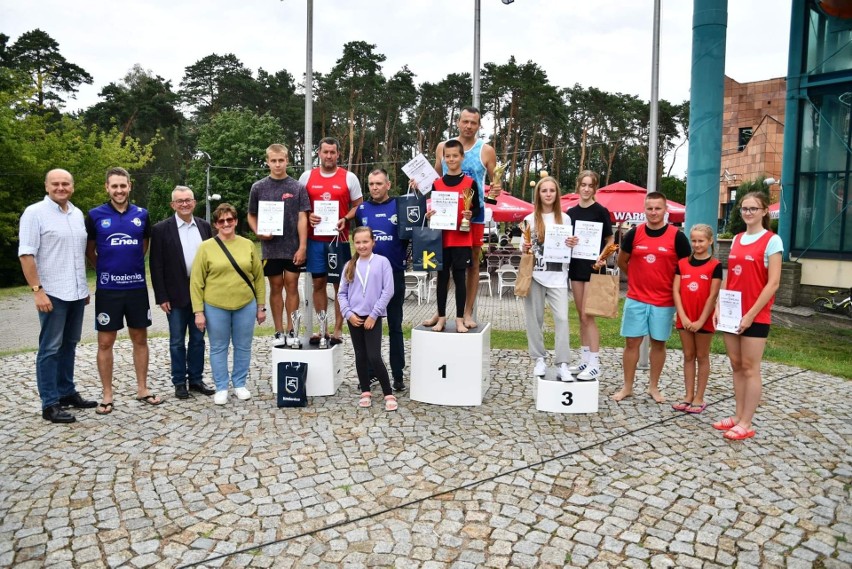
[221, 397]
[279, 339]
[540, 368]
[563, 373]
[589, 374]
[579, 368]
[242, 393]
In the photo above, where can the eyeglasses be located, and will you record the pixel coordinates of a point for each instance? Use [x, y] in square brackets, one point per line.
[184, 202]
[750, 210]
[226, 221]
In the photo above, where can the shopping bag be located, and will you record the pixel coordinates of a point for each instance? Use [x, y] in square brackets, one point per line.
[601, 297]
[525, 271]
[427, 249]
[410, 211]
[338, 255]
[292, 384]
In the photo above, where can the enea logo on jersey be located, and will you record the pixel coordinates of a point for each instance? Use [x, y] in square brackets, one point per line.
[379, 235]
[121, 239]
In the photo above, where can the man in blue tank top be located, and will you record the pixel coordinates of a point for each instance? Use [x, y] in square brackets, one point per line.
[380, 215]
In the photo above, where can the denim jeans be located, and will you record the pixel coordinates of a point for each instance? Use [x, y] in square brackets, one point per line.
[223, 328]
[187, 359]
[57, 343]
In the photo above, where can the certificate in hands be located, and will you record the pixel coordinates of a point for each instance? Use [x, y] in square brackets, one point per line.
[555, 249]
[270, 218]
[419, 170]
[590, 234]
[328, 211]
[446, 208]
[730, 311]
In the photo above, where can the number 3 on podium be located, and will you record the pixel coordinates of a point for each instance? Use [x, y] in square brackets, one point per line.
[569, 398]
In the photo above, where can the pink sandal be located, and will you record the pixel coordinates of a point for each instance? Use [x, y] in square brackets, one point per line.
[366, 399]
[725, 424]
[391, 403]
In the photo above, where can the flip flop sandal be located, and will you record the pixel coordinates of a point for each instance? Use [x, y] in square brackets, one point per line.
[366, 399]
[725, 424]
[391, 403]
[104, 408]
[150, 399]
[738, 433]
[682, 406]
[696, 409]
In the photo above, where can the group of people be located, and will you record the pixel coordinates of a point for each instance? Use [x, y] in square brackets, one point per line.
[671, 278]
[215, 284]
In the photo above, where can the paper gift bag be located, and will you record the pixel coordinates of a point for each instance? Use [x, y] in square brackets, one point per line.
[427, 249]
[410, 212]
[525, 271]
[292, 384]
[602, 295]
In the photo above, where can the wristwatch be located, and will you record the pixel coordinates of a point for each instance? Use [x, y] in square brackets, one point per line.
[37, 288]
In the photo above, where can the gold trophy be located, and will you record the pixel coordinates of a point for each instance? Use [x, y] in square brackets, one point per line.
[467, 200]
[496, 182]
[526, 231]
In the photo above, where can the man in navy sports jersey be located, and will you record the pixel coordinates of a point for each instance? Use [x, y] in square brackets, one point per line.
[380, 215]
[118, 233]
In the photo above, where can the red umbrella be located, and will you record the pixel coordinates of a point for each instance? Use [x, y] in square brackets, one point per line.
[508, 207]
[626, 202]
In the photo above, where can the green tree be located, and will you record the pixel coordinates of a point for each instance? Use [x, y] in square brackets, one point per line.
[735, 219]
[216, 83]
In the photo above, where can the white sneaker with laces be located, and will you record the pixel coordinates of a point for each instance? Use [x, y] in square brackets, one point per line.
[579, 368]
[221, 397]
[589, 374]
[540, 368]
[242, 393]
[279, 339]
[563, 373]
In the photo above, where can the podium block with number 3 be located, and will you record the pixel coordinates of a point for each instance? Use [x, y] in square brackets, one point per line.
[448, 368]
[562, 397]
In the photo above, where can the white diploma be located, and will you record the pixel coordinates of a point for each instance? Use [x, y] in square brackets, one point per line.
[270, 218]
[589, 233]
[328, 210]
[730, 311]
[419, 170]
[446, 208]
[555, 249]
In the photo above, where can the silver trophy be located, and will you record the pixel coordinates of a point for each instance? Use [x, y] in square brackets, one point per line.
[293, 340]
[323, 324]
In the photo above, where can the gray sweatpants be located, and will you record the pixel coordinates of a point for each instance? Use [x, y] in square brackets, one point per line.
[557, 302]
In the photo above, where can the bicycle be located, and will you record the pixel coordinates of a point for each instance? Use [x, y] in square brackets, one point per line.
[823, 304]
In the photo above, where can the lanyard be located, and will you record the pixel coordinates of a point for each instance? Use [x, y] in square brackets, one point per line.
[366, 277]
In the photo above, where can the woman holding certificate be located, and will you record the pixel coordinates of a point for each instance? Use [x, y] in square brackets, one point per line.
[594, 221]
[754, 271]
[547, 231]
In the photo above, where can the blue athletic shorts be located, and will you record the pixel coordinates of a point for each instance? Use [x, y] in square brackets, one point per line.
[641, 319]
[318, 258]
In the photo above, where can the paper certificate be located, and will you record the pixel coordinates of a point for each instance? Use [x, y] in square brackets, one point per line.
[328, 210]
[419, 170]
[555, 249]
[730, 311]
[446, 208]
[589, 233]
[270, 218]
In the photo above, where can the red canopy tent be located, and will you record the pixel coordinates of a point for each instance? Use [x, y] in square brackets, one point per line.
[507, 209]
[775, 211]
[626, 202]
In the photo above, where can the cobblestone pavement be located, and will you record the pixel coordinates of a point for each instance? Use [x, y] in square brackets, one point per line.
[500, 485]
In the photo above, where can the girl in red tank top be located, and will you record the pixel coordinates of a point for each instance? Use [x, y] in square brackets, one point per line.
[696, 286]
[757, 278]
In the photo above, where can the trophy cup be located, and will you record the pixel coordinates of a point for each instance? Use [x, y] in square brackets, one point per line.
[293, 340]
[467, 197]
[323, 324]
[526, 232]
[496, 182]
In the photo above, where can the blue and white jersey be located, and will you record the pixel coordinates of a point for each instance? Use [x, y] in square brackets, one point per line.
[473, 167]
[120, 242]
[381, 218]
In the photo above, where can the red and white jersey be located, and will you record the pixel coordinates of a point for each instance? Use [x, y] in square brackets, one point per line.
[454, 237]
[334, 188]
[748, 274]
[652, 267]
[695, 284]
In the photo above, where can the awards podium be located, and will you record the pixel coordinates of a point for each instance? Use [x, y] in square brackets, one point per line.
[448, 368]
[555, 396]
[325, 367]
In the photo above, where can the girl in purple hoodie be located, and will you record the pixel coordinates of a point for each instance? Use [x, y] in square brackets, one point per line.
[365, 290]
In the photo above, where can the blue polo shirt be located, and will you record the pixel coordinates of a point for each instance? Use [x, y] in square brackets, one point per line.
[119, 240]
[381, 218]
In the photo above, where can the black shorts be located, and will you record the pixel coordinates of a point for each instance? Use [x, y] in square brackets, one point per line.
[113, 306]
[580, 270]
[456, 258]
[275, 267]
[756, 330]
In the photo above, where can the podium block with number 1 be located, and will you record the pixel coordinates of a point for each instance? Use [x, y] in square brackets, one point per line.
[448, 368]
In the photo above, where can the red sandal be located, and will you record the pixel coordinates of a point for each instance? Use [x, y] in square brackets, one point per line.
[739, 433]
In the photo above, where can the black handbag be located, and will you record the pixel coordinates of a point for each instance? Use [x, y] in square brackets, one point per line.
[410, 212]
[292, 384]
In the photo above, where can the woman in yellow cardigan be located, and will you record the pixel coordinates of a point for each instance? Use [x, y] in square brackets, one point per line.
[226, 302]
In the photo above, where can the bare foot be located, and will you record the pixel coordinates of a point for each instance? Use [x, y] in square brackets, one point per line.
[469, 322]
[460, 327]
[431, 322]
[621, 394]
[440, 322]
[655, 393]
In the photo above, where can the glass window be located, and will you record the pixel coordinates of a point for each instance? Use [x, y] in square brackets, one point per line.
[829, 44]
[818, 218]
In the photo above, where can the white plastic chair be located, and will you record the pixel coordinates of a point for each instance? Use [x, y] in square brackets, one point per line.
[506, 278]
[412, 285]
[485, 279]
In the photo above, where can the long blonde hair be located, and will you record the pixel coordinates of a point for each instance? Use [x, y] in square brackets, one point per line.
[349, 271]
[538, 219]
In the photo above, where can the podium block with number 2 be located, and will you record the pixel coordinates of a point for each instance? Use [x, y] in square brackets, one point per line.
[562, 397]
[325, 367]
[448, 368]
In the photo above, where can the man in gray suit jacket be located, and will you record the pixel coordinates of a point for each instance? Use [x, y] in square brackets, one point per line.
[174, 242]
